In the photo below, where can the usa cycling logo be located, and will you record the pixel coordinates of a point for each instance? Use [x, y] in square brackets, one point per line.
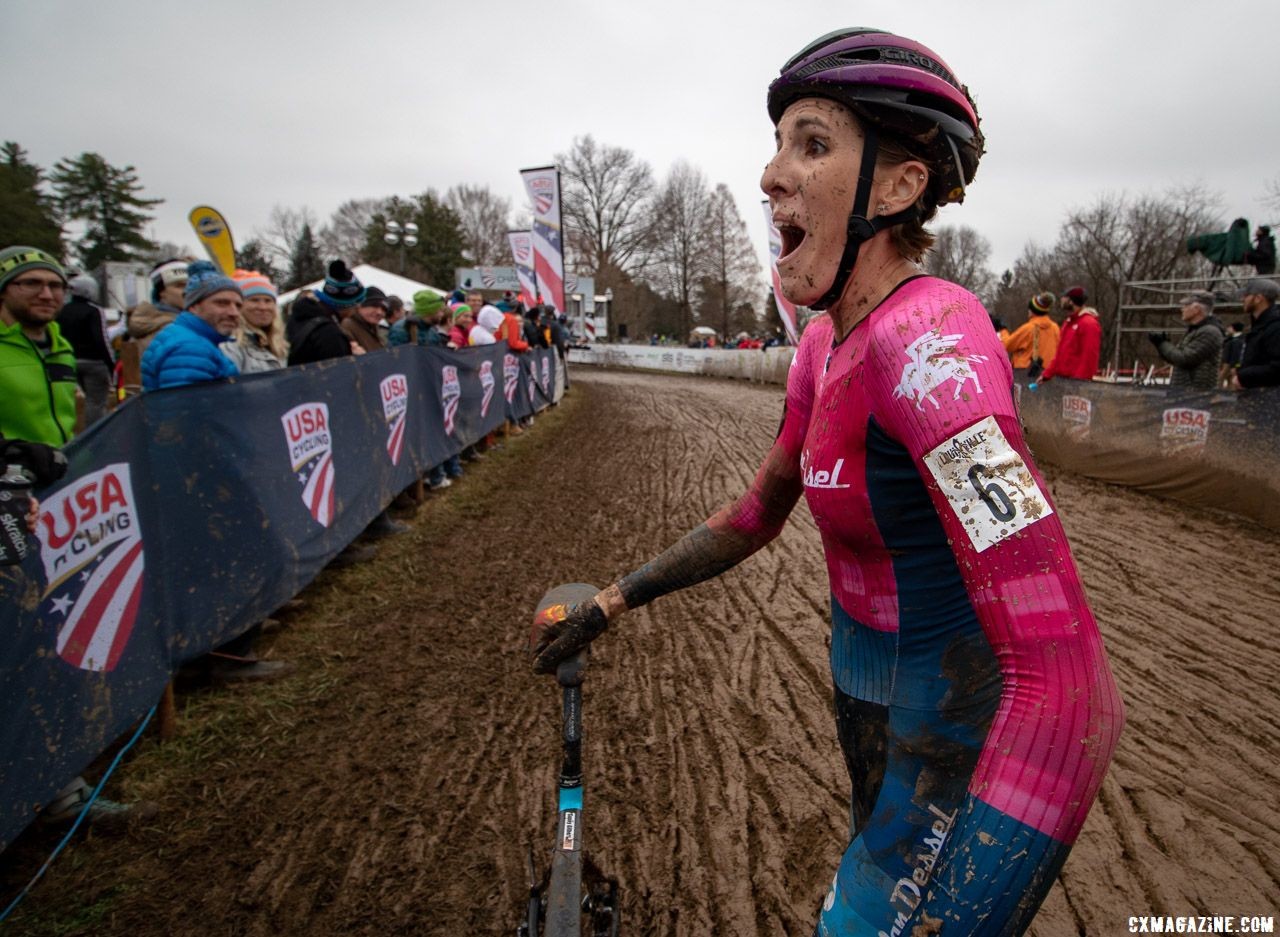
[450, 394]
[546, 374]
[510, 377]
[487, 384]
[91, 546]
[306, 430]
[934, 359]
[520, 248]
[395, 405]
[543, 189]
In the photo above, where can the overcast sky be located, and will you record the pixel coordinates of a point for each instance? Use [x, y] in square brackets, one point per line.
[245, 105]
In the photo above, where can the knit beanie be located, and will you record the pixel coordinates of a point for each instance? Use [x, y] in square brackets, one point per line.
[203, 280]
[15, 261]
[462, 309]
[1041, 304]
[427, 303]
[341, 288]
[1077, 295]
[164, 273]
[253, 283]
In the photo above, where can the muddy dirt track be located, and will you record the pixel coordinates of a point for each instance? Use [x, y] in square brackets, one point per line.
[391, 785]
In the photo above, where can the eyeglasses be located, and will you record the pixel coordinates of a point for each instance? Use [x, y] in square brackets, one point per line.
[34, 287]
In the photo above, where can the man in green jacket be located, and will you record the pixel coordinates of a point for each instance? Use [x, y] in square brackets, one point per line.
[1195, 357]
[37, 365]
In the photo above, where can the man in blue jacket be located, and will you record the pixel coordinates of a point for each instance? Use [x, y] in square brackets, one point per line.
[186, 351]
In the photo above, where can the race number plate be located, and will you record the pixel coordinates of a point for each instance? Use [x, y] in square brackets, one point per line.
[987, 484]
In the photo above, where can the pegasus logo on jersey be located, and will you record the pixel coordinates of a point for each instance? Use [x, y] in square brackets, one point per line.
[821, 478]
[934, 359]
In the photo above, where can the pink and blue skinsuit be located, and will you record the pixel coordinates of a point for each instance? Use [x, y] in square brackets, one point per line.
[974, 701]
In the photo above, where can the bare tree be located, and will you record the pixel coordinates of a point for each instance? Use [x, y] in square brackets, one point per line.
[345, 234]
[284, 228]
[961, 255]
[679, 241]
[607, 196]
[732, 269]
[485, 218]
[1272, 197]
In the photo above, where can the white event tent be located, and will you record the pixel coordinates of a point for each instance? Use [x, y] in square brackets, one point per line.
[390, 283]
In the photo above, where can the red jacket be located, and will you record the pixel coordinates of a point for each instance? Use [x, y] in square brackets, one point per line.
[1078, 347]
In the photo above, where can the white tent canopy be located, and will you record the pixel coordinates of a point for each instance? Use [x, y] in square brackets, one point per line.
[390, 283]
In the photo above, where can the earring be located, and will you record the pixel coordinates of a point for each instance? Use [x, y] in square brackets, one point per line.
[882, 208]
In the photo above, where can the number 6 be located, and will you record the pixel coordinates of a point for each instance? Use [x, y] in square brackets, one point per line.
[991, 494]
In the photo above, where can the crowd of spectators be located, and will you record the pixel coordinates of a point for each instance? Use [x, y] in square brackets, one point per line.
[57, 349]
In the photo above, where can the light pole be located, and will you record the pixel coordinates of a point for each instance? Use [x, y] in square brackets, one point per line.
[405, 235]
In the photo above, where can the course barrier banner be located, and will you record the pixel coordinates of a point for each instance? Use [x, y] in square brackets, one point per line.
[191, 514]
[1215, 449]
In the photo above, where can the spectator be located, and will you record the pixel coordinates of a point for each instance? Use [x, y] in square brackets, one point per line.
[258, 344]
[488, 323]
[1232, 352]
[533, 333]
[362, 327]
[1079, 342]
[512, 330]
[1263, 255]
[428, 307]
[186, 351]
[168, 281]
[1260, 364]
[38, 387]
[395, 313]
[1196, 357]
[560, 342]
[84, 325]
[463, 320]
[1034, 342]
[314, 332]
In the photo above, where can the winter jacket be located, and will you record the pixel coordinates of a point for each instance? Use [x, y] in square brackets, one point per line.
[458, 336]
[37, 391]
[85, 327]
[398, 334]
[1035, 338]
[314, 333]
[1078, 347]
[1261, 364]
[146, 321]
[1233, 349]
[512, 332]
[250, 355]
[534, 336]
[185, 353]
[362, 333]
[1196, 357]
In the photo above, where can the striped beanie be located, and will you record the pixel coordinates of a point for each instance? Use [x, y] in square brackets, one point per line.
[253, 283]
[1041, 303]
[15, 261]
[341, 288]
[203, 280]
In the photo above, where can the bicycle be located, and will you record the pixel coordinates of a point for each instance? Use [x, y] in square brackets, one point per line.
[573, 898]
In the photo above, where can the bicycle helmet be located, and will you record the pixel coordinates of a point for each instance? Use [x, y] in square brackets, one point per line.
[891, 84]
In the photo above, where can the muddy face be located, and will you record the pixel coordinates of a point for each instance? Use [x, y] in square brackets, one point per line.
[810, 183]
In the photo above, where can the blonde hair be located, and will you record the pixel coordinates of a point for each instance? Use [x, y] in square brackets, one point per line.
[270, 338]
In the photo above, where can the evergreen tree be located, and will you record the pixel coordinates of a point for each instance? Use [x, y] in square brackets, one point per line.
[440, 239]
[26, 214]
[108, 200]
[305, 264]
[253, 256]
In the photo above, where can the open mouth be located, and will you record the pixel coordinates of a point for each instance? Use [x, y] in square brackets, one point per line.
[792, 237]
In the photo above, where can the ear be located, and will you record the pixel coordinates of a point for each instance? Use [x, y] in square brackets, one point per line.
[900, 185]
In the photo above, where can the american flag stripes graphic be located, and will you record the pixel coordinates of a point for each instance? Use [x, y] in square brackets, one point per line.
[450, 394]
[395, 407]
[543, 188]
[306, 429]
[91, 547]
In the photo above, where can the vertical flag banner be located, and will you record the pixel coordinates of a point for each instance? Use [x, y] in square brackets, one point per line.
[786, 308]
[215, 234]
[543, 186]
[522, 253]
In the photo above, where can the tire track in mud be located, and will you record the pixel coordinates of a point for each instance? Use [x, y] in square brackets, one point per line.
[403, 799]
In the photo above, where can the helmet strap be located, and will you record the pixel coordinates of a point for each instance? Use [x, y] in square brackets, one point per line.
[861, 228]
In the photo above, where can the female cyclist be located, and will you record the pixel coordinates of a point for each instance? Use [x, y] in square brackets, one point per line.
[973, 699]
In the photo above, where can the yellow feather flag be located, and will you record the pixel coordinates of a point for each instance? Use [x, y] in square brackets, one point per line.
[215, 234]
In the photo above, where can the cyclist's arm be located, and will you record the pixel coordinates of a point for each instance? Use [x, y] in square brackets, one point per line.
[1060, 713]
[749, 522]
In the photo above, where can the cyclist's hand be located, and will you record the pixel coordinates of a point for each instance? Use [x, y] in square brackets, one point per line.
[560, 632]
